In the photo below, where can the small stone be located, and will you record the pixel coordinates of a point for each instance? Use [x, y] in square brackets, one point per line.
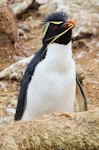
[80, 72]
[26, 27]
[2, 86]
[20, 32]
[42, 1]
[25, 37]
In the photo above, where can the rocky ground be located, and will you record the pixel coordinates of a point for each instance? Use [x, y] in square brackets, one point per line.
[85, 50]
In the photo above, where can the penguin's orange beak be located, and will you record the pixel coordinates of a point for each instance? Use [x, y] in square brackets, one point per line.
[69, 23]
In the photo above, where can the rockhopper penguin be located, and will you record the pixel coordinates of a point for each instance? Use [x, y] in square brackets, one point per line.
[49, 82]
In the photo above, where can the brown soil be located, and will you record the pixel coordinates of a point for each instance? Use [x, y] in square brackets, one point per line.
[86, 55]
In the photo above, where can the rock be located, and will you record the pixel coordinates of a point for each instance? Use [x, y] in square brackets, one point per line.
[22, 35]
[20, 32]
[41, 1]
[16, 70]
[6, 121]
[55, 5]
[2, 86]
[19, 7]
[26, 27]
[8, 34]
[80, 73]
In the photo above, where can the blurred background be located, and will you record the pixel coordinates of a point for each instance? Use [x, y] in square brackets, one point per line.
[23, 26]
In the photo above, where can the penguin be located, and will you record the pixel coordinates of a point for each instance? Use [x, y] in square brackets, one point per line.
[49, 82]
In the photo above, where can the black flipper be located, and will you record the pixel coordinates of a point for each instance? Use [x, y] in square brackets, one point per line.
[25, 82]
[80, 96]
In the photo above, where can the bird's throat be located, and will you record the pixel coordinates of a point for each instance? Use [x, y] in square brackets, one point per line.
[59, 55]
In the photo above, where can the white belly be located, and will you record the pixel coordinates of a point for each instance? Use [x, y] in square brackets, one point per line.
[50, 90]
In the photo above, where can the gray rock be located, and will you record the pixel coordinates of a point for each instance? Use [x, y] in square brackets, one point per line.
[5, 121]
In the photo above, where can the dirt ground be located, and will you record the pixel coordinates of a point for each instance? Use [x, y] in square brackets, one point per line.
[85, 52]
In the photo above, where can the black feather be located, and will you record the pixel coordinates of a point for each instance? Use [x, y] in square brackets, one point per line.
[65, 39]
[40, 55]
[57, 16]
[83, 94]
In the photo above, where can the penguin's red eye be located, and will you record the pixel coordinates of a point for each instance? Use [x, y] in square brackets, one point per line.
[55, 26]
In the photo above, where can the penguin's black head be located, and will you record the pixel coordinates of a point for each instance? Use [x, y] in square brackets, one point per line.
[57, 28]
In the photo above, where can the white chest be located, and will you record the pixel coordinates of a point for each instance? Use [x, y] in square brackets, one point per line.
[52, 87]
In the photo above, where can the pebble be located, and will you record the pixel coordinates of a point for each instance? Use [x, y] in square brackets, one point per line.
[2, 86]
[4, 121]
[20, 32]
[26, 27]
[10, 110]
